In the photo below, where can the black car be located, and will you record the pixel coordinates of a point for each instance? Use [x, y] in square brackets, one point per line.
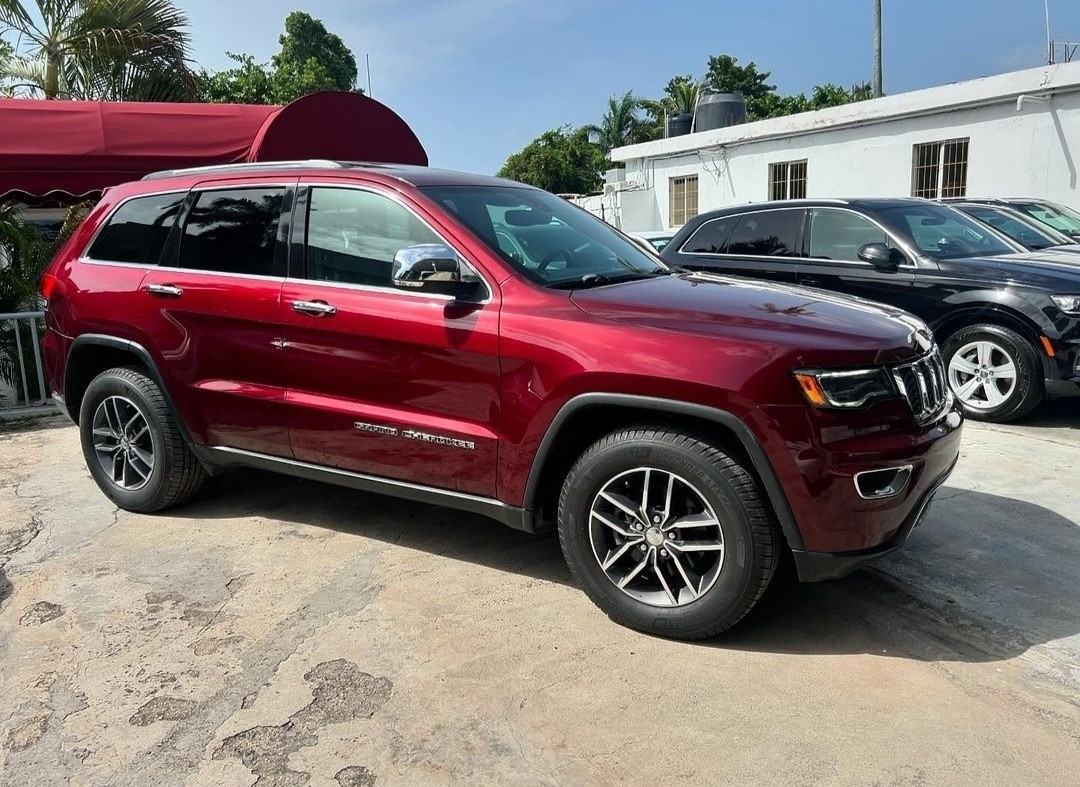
[1050, 214]
[1020, 227]
[1008, 320]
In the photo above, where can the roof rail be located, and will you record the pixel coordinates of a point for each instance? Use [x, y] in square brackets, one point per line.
[256, 167]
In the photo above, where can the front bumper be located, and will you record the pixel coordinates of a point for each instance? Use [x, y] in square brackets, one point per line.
[819, 566]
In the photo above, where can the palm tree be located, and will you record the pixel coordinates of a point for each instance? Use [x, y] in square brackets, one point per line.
[681, 95]
[620, 124]
[135, 50]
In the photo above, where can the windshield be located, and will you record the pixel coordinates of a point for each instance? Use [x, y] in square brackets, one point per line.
[945, 233]
[1057, 216]
[545, 237]
[1015, 227]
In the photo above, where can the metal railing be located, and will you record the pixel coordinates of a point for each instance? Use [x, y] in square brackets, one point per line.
[23, 384]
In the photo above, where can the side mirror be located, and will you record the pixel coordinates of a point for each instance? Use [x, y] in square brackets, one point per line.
[432, 268]
[881, 256]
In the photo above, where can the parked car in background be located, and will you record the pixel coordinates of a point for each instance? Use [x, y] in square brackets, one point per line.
[1058, 217]
[472, 342]
[1029, 233]
[657, 240]
[1008, 320]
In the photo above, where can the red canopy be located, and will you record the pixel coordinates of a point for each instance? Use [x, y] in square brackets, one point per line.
[78, 148]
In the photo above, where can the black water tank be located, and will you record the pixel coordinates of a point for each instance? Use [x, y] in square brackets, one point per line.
[677, 125]
[719, 110]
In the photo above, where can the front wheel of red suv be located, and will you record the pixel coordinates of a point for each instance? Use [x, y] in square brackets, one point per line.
[133, 445]
[667, 533]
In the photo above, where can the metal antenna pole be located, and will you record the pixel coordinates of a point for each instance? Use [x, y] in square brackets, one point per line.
[877, 87]
[1049, 40]
[367, 65]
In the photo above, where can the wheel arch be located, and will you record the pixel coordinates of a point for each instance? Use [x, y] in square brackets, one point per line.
[586, 418]
[93, 353]
[992, 314]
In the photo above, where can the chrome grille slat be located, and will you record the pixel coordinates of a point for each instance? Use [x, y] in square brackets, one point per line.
[922, 382]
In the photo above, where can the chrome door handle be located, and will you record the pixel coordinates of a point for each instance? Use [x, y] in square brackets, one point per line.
[314, 308]
[165, 290]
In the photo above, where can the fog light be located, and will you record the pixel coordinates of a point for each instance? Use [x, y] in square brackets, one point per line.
[878, 484]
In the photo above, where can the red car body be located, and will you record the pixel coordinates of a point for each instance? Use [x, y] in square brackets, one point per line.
[527, 377]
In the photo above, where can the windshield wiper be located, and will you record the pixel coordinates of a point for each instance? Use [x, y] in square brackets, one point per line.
[600, 279]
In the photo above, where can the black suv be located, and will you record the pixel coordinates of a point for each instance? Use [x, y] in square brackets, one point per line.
[1008, 321]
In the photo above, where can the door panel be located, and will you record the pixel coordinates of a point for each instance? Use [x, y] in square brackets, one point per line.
[383, 381]
[760, 245]
[394, 385]
[212, 312]
[833, 242]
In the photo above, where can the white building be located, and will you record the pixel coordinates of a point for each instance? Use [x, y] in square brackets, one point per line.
[1016, 134]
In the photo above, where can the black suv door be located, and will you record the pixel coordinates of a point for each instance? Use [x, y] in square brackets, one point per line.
[760, 244]
[833, 239]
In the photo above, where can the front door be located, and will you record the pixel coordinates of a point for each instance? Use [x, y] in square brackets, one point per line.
[760, 245]
[381, 380]
[835, 236]
[212, 311]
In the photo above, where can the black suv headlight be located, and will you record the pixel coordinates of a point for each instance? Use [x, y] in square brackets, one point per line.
[1070, 304]
[847, 389]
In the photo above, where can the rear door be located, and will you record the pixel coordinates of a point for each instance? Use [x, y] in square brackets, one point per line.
[385, 381]
[834, 237]
[760, 244]
[212, 314]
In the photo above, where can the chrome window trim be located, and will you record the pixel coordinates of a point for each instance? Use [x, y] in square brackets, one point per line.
[396, 290]
[83, 255]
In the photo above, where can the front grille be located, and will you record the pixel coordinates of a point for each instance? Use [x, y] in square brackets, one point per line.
[924, 385]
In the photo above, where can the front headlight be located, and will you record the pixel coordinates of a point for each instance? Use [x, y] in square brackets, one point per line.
[848, 389]
[1070, 304]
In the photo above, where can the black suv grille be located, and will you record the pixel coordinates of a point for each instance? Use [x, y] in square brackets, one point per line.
[924, 385]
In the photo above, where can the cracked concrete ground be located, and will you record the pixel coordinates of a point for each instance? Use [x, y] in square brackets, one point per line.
[279, 632]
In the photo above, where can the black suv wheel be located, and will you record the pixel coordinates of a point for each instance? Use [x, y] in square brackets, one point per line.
[666, 533]
[994, 372]
[133, 445]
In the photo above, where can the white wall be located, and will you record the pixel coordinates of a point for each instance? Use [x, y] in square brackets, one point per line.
[1033, 152]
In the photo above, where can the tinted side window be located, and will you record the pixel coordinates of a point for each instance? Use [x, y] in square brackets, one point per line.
[353, 236]
[711, 236]
[137, 231]
[233, 231]
[838, 234]
[772, 233]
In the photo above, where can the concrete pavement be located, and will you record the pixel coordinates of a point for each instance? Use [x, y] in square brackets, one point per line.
[279, 632]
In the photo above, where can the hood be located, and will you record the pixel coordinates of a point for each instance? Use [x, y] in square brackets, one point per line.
[1049, 269]
[838, 329]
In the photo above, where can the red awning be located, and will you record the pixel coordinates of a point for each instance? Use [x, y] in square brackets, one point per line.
[78, 148]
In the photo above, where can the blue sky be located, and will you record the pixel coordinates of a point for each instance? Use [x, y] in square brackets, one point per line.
[478, 79]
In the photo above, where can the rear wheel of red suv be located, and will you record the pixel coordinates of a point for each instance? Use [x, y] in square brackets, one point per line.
[667, 533]
[133, 445]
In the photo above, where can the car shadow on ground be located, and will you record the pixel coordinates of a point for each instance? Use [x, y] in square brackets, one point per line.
[1061, 413]
[984, 579]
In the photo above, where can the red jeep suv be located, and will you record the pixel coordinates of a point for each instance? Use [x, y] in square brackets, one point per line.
[480, 344]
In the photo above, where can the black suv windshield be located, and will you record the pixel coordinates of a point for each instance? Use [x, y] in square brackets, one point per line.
[943, 232]
[546, 238]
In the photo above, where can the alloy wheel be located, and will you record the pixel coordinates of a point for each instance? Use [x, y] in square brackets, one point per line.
[656, 537]
[122, 442]
[982, 374]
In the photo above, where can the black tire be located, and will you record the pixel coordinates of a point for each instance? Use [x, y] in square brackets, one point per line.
[751, 539]
[1029, 390]
[175, 474]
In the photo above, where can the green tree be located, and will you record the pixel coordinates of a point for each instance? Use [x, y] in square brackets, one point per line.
[562, 161]
[311, 59]
[247, 83]
[135, 50]
[724, 74]
[620, 124]
[680, 95]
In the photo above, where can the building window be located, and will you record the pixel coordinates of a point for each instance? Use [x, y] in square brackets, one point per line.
[787, 180]
[682, 200]
[939, 169]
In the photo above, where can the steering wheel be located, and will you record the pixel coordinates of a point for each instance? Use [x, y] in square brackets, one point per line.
[551, 256]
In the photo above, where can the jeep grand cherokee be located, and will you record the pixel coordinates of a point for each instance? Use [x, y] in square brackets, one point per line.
[480, 344]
